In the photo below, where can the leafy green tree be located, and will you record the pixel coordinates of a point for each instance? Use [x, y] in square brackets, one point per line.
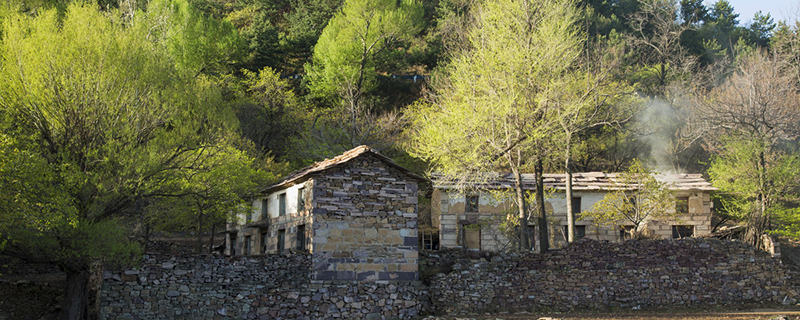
[491, 111]
[587, 100]
[271, 116]
[197, 43]
[757, 182]
[760, 29]
[345, 65]
[638, 198]
[106, 116]
[304, 25]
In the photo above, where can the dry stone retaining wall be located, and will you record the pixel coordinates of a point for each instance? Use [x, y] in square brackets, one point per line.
[587, 275]
[263, 287]
[634, 274]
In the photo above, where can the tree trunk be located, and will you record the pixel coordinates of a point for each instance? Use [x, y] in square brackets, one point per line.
[76, 295]
[211, 240]
[756, 225]
[544, 243]
[524, 240]
[199, 229]
[568, 195]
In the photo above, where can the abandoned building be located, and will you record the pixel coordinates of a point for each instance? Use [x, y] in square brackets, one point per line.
[471, 219]
[356, 214]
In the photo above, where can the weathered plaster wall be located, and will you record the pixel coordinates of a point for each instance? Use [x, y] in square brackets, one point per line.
[449, 210]
[270, 223]
[265, 287]
[365, 223]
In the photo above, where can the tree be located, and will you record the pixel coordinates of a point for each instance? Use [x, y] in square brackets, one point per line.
[345, 64]
[749, 117]
[656, 38]
[586, 101]
[638, 197]
[97, 115]
[755, 189]
[491, 109]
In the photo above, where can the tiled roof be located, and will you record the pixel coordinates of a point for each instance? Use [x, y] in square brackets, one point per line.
[580, 181]
[351, 154]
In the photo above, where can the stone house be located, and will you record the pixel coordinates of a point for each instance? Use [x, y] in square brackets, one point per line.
[356, 214]
[470, 219]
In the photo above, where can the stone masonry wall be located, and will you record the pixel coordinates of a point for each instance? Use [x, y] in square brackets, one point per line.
[634, 274]
[265, 287]
[365, 223]
[586, 275]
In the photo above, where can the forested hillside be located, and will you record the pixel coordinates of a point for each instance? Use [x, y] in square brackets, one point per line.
[121, 118]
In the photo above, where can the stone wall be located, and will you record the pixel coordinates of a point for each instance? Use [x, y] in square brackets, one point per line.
[365, 222]
[265, 287]
[587, 275]
[633, 274]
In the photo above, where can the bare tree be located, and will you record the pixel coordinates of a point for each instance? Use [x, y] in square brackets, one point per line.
[757, 109]
[656, 34]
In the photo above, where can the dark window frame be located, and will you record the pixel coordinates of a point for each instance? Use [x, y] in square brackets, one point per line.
[682, 231]
[471, 228]
[264, 241]
[625, 232]
[301, 199]
[282, 204]
[580, 231]
[301, 237]
[576, 204]
[682, 205]
[472, 203]
[281, 241]
[264, 209]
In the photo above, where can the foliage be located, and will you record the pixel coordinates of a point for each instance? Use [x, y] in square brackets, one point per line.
[491, 107]
[108, 112]
[195, 42]
[755, 187]
[638, 198]
[345, 58]
[270, 114]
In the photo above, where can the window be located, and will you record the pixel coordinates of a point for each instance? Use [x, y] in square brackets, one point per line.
[301, 199]
[281, 240]
[580, 231]
[301, 237]
[576, 204]
[680, 232]
[233, 245]
[264, 242]
[282, 204]
[472, 236]
[471, 204]
[264, 209]
[625, 232]
[682, 205]
[247, 245]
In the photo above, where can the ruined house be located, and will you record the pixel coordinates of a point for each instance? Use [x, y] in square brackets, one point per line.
[356, 214]
[473, 219]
